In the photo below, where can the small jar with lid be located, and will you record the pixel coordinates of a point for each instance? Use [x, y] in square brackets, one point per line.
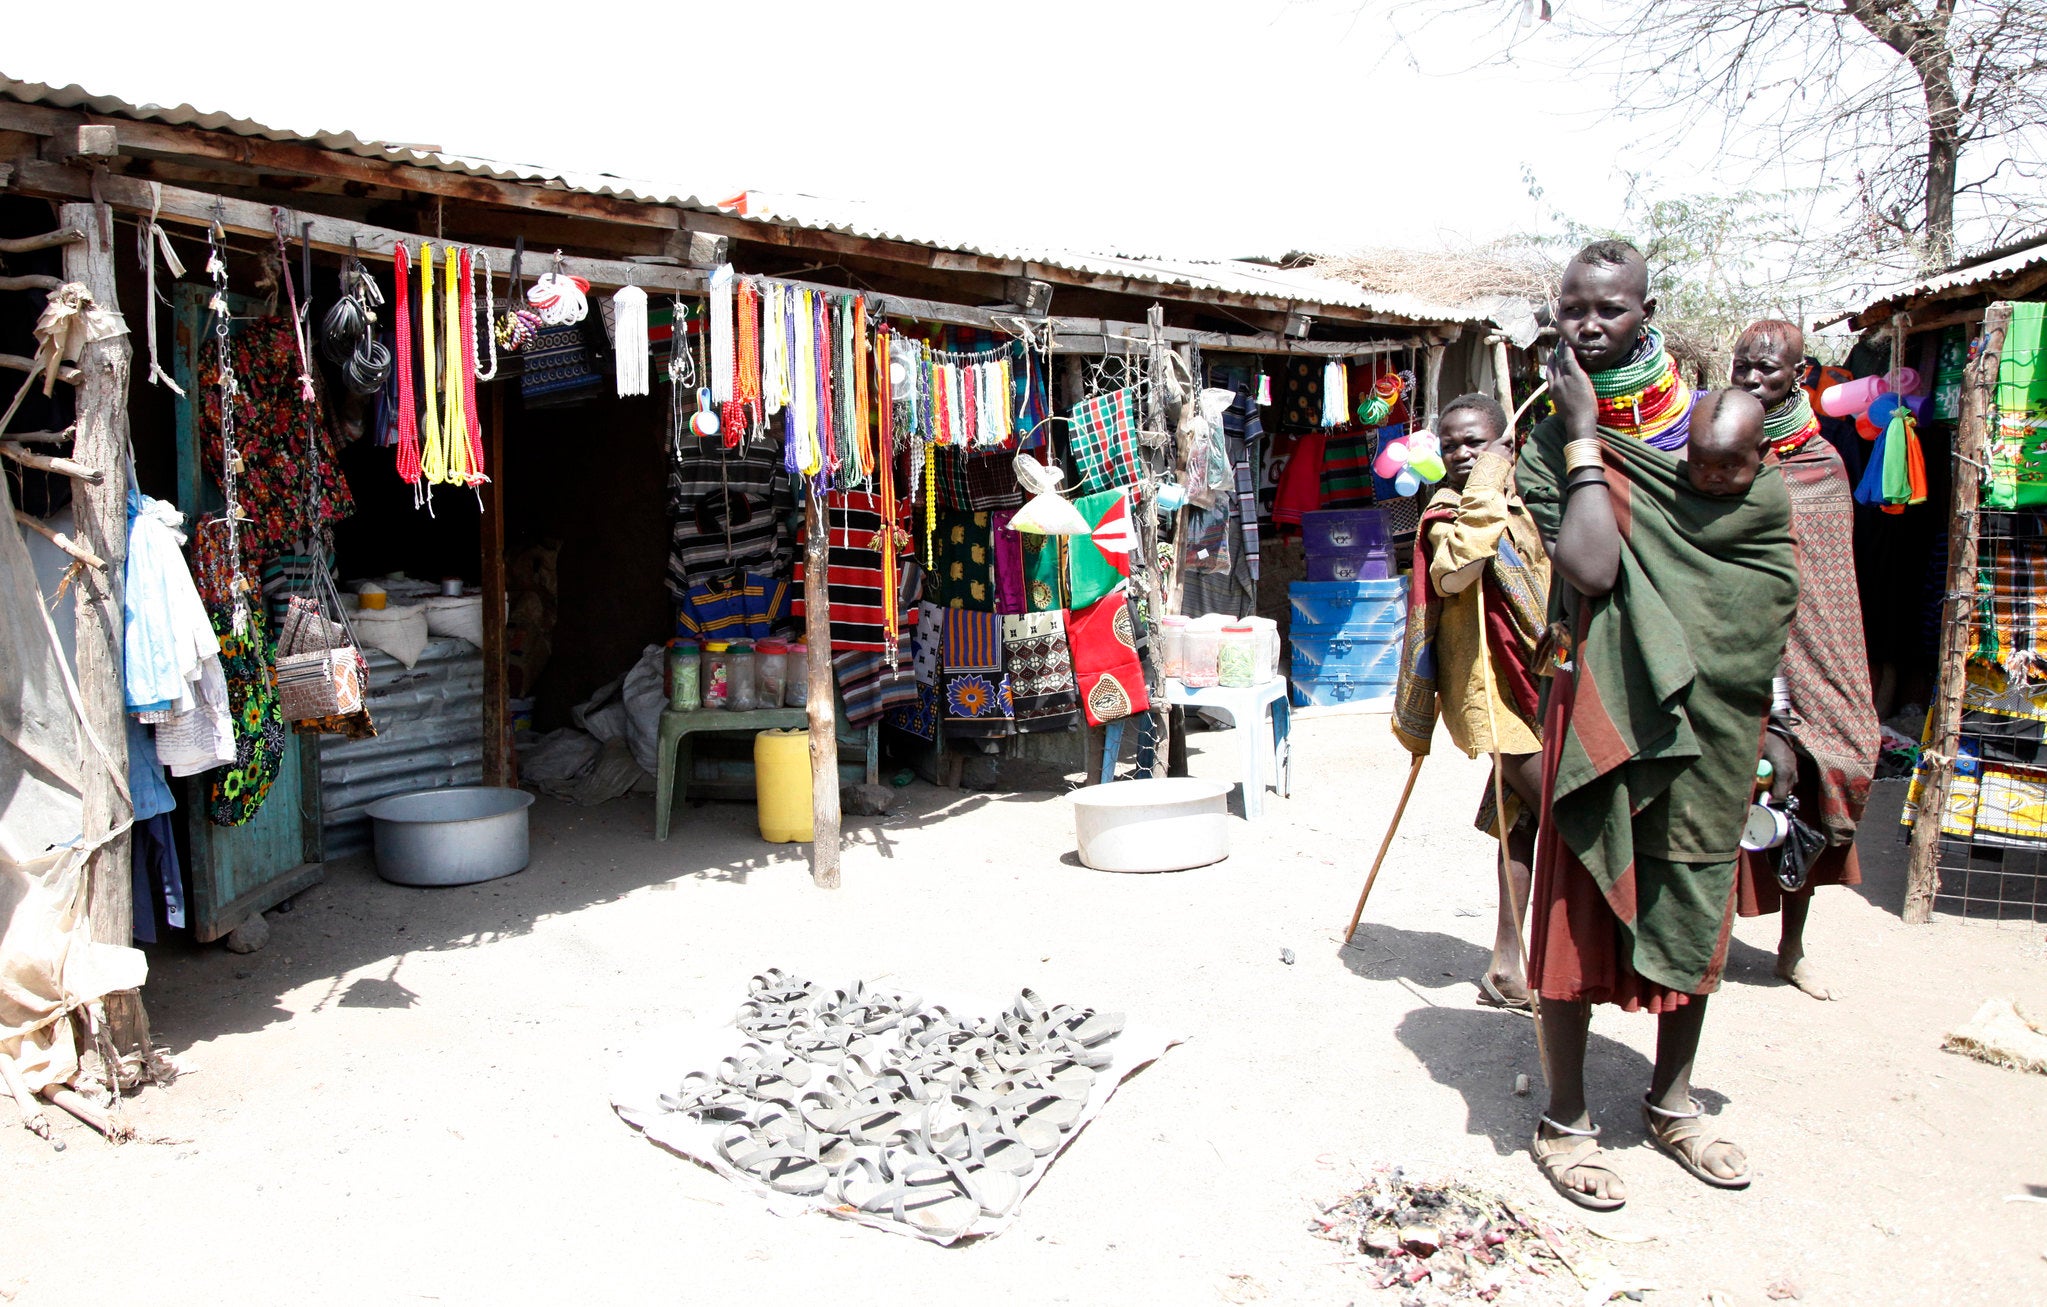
[742, 694]
[771, 671]
[1202, 644]
[717, 674]
[684, 691]
[1173, 645]
[796, 689]
[1236, 658]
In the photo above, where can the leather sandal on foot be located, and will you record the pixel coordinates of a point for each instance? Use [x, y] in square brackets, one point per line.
[1578, 1150]
[1686, 1139]
[1490, 995]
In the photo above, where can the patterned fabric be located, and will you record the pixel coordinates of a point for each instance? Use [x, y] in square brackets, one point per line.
[1010, 594]
[1103, 441]
[707, 539]
[1092, 570]
[235, 793]
[965, 577]
[1347, 454]
[1300, 393]
[270, 433]
[926, 643]
[1103, 641]
[978, 700]
[719, 610]
[1825, 661]
[870, 687]
[920, 716]
[556, 369]
[1040, 667]
[1205, 543]
[1043, 582]
[1244, 430]
[991, 481]
[2011, 601]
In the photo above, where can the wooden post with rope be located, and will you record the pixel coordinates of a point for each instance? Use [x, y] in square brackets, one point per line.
[102, 524]
[824, 744]
[1972, 442]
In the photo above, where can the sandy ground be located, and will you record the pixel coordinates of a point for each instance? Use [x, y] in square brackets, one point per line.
[404, 1097]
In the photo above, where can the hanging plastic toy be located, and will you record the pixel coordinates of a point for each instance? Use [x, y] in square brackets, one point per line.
[1411, 462]
[1377, 405]
[561, 300]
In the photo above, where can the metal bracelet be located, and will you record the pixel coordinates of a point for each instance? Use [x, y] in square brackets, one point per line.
[1581, 454]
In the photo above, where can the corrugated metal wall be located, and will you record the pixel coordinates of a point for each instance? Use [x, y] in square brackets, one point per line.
[429, 734]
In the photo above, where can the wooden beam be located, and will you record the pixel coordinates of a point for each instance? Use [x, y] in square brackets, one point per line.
[30, 281]
[59, 539]
[47, 241]
[16, 363]
[1972, 441]
[101, 511]
[47, 463]
[824, 745]
[331, 234]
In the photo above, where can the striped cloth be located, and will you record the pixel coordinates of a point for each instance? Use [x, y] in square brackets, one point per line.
[870, 687]
[719, 610]
[1347, 454]
[705, 539]
[1103, 440]
[855, 584]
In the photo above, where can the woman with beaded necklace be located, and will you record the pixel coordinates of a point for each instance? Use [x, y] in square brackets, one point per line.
[1668, 609]
[1823, 742]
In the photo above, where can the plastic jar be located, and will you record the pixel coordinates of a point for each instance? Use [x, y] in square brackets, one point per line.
[1173, 645]
[771, 671]
[741, 692]
[1236, 658]
[1202, 644]
[717, 674]
[796, 690]
[684, 665]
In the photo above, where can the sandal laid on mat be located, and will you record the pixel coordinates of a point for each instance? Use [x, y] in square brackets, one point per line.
[1577, 1150]
[784, 1165]
[1687, 1140]
[780, 988]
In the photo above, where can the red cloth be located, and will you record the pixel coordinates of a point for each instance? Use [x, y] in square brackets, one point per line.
[1300, 481]
[1575, 942]
[1756, 891]
[1103, 640]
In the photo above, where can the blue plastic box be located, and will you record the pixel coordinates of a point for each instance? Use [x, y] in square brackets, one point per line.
[1333, 603]
[1344, 531]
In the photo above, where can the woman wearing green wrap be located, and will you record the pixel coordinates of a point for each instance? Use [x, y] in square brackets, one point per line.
[1672, 591]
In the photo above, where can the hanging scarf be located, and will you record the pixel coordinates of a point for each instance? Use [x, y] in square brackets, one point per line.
[774, 349]
[722, 360]
[1791, 424]
[1644, 398]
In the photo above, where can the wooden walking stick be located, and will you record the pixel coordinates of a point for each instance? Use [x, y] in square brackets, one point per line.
[1384, 845]
[1485, 662]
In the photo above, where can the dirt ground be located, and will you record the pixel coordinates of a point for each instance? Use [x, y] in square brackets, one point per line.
[403, 1098]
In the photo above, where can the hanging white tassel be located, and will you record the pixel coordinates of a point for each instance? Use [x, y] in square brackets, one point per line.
[629, 339]
[721, 334]
[1335, 394]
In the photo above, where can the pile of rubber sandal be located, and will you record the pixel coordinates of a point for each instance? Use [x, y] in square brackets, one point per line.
[875, 1102]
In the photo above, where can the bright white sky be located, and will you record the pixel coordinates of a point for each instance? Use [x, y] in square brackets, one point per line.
[1191, 127]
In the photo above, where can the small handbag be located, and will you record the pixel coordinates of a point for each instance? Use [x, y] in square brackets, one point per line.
[320, 671]
[1802, 844]
[516, 324]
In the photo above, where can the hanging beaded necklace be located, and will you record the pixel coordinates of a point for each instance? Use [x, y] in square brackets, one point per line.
[230, 451]
[408, 402]
[1791, 425]
[433, 445]
[472, 417]
[1644, 398]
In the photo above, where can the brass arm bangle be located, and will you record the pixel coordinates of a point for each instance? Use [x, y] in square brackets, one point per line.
[1582, 454]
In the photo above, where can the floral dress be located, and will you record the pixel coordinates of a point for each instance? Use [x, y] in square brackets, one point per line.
[235, 793]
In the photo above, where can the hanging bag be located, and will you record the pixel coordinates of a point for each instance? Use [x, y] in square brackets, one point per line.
[320, 669]
[517, 324]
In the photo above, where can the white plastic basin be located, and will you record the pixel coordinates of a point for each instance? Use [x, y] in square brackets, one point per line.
[1166, 824]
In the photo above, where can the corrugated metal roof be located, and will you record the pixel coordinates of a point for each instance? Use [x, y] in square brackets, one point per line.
[2028, 256]
[1227, 276]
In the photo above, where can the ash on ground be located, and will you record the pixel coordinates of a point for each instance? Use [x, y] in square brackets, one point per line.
[1449, 1241]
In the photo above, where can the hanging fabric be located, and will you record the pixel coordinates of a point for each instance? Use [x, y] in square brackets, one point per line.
[472, 415]
[722, 360]
[629, 339]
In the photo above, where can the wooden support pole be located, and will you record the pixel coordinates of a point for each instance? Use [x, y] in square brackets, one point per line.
[499, 763]
[824, 744]
[1503, 381]
[101, 511]
[1432, 387]
[1972, 443]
